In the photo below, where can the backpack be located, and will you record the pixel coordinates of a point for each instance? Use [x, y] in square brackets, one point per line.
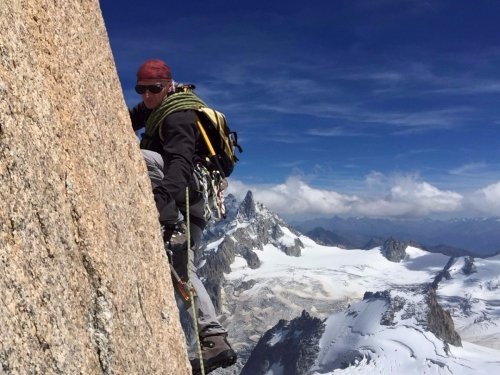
[218, 157]
[220, 141]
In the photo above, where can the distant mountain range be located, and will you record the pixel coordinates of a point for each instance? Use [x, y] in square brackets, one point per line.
[479, 237]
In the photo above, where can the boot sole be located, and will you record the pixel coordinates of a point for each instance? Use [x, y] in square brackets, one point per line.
[226, 361]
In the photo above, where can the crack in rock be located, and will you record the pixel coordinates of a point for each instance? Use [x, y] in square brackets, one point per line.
[100, 318]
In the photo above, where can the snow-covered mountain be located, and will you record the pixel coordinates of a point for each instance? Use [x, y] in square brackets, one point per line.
[343, 311]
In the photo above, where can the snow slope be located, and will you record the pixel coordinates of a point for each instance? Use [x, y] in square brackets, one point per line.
[473, 299]
[357, 341]
[328, 273]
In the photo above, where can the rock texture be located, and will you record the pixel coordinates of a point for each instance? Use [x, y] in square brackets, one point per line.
[440, 322]
[294, 344]
[469, 267]
[84, 282]
[394, 250]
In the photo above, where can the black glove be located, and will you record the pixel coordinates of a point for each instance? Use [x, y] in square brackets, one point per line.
[170, 230]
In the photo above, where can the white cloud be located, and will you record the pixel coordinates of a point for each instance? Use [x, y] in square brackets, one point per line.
[295, 197]
[469, 168]
[486, 200]
[406, 197]
[422, 198]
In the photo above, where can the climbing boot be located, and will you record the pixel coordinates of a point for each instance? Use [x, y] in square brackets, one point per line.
[216, 353]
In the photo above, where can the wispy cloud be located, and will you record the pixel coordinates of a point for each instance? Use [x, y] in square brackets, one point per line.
[344, 94]
[469, 86]
[469, 169]
[336, 131]
[291, 164]
[413, 153]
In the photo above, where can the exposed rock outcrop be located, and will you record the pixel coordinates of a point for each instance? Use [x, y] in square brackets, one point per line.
[443, 274]
[394, 250]
[469, 266]
[294, 345]
[440, 322]
[214, 267]
[248, 208]
[293, 250]
[84, 281]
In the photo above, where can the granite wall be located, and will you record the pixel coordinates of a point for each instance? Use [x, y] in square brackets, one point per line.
[84, 281]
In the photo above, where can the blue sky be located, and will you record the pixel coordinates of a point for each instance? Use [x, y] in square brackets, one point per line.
[382, 108]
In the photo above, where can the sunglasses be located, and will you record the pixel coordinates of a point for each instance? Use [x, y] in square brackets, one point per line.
[153, 89]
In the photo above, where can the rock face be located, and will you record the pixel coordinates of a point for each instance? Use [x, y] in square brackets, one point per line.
[294, 344]
[434, 318]
[394, 250]
[469, 267]
[84, 282]
[440, 322]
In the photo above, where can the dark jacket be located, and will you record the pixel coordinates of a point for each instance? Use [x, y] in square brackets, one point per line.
[179, 145]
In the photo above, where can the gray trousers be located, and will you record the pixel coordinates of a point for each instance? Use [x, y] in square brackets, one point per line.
[184, 264]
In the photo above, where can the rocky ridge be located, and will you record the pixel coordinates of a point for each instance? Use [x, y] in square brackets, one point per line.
[248, 227]
[294, 344]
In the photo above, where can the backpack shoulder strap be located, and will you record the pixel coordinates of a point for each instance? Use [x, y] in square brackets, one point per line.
[205, 136]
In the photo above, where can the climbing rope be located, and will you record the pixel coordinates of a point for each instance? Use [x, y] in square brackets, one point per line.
[191, 294]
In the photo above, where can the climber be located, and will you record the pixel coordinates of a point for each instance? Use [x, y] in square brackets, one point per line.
[170, 146]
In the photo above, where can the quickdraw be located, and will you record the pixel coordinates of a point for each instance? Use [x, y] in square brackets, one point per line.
[212, 186]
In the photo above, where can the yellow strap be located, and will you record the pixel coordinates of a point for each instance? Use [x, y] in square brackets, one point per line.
[205, 136]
